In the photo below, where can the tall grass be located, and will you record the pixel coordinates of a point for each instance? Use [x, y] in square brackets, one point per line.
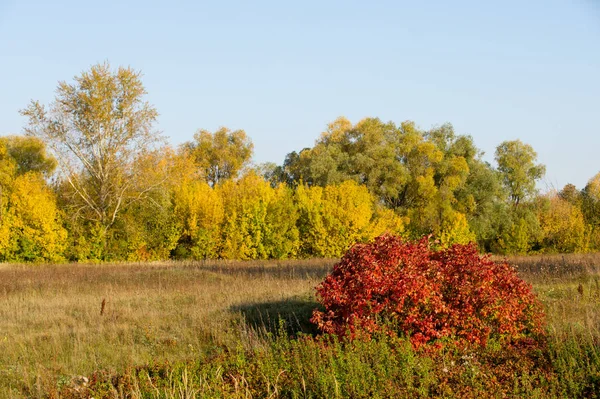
[240, 329]
[51, 328]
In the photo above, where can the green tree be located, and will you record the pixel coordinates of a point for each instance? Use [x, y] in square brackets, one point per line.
[98, 127]
[220, 155]
[590, 197]
[29, 154]
[590, 206]
[517, 165]
[483, 200]
[519, 231]
[148, 229]
[570, 194]
[295, 169]
[368, 153]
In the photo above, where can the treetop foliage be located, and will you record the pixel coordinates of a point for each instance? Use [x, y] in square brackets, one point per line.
[108, 180]
[97, 127]
[220, 155]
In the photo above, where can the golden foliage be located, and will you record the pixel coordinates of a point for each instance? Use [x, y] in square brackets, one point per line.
[200, 208]
[32, 222]
[336, 216]
[563, 226]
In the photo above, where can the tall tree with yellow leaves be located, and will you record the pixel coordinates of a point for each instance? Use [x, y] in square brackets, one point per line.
[97, 127]
[220, 155]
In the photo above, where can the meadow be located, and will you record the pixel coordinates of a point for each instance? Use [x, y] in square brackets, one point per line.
[241, 329]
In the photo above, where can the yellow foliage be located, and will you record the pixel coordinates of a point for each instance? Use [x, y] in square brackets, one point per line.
[334, 218]
[455, 230]
[243, 219]
[8, 244]
[336, 131]
[386, 221]
[563, 226]
[201, 210]
[245, 202]
[282, 238]
[456, 173]
[35, 231]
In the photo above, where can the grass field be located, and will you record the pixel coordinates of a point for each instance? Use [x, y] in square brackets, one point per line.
[227, 329]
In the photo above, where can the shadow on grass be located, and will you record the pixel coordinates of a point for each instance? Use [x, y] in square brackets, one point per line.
[294, 313]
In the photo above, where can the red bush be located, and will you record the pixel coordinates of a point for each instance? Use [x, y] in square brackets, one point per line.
[407, 288]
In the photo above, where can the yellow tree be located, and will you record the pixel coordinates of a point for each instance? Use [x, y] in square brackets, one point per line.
[220, 155]
[97, 127]
[29, 154]
[35, 229]
[334, 217]
[455, 229]
[8, 169]
[246, 203]
[562, 224]
[200, 210]
[30, 226]
[281, 236]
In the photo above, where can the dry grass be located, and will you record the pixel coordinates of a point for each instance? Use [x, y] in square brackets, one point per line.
[52, 329]
[569, 285]
[555, 267]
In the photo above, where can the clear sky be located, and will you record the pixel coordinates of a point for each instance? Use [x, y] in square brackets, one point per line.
[282, 70]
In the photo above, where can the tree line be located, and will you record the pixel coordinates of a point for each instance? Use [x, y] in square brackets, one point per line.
[92, 180]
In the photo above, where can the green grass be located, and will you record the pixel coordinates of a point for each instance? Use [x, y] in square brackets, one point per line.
[233, 329]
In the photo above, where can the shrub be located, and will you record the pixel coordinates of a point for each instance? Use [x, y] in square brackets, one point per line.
[406, 288]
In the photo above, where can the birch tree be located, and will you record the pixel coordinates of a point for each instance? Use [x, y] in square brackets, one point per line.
[98, 127]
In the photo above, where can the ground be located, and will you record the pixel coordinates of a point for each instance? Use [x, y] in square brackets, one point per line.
[241, 329]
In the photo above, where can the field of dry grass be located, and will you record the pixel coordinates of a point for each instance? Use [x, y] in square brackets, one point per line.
[52, 329]
[569, 285]
[54, 326]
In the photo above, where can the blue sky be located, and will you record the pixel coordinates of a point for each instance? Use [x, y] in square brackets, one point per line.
[282, 70]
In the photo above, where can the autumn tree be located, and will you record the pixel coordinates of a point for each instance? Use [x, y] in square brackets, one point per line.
[590, 205]
[260, 221]
[333, 218]
[368, 153]
[415, 172]
[20, 155]
[220, 155]
[519, 170]
[36, 231]
[149, 229]
[30, 225]
[562, 224]
[199, 208]
[570, 194]
[97, 127]
[30, 154]
[590, 197]
[7, 173]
